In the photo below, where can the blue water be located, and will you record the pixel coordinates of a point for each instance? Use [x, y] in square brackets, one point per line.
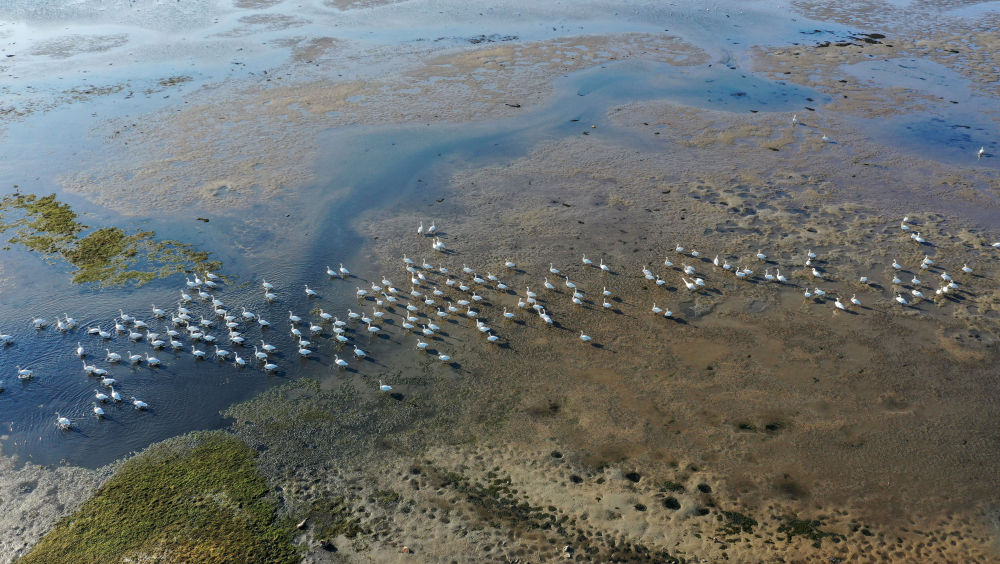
[361, 169]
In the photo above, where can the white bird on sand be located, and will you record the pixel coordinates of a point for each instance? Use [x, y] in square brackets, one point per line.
[604, 267]
[761, 255]
[779, 276]
[855, 300]
[587, 261]
[966, 269]
[553, 269]
[657, 309]
[584, 338]
[443, 357]
[901, 300]
[839, 304]
[384, 387]
[341, 363]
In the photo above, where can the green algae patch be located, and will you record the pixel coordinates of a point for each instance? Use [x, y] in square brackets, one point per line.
[198, 498]
[107, 256]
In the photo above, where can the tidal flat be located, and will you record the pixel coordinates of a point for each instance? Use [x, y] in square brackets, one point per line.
[615, 165]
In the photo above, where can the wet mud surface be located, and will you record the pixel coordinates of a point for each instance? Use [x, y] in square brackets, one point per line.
[754, 424]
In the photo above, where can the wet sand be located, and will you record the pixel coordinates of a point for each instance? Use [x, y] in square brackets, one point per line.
[855, 435]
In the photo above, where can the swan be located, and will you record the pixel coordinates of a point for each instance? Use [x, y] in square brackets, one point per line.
[341, 363]
[139, 404]
[101, 396]
[584, 338]
[115, 395]
[63, 422]
[587, 261]
[79, 350]
[98, 412]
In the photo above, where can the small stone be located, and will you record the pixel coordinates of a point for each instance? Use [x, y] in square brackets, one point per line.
[406, 550]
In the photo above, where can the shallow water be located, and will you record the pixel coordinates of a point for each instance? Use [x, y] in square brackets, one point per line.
[371, 178]
[364, 169]
[952, 126]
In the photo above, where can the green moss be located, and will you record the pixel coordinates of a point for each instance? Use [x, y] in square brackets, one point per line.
[108, 256]
[386, 497]
[736, 522]
[332, 517]
[671, 486]
[196, 499]
[793, 526]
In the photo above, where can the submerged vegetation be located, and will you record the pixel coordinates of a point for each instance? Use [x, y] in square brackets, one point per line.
[198, 498]
[107, 256]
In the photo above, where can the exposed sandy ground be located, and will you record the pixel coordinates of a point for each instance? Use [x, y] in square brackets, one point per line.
[33, 498]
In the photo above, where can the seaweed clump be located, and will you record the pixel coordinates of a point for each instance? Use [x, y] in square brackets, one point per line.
[198, 498]
[107, 256]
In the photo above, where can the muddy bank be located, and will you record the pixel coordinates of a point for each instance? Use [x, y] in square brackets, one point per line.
[33, 498]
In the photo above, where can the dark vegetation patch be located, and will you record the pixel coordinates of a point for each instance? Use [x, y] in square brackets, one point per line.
[107, 256]
[198, 498]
